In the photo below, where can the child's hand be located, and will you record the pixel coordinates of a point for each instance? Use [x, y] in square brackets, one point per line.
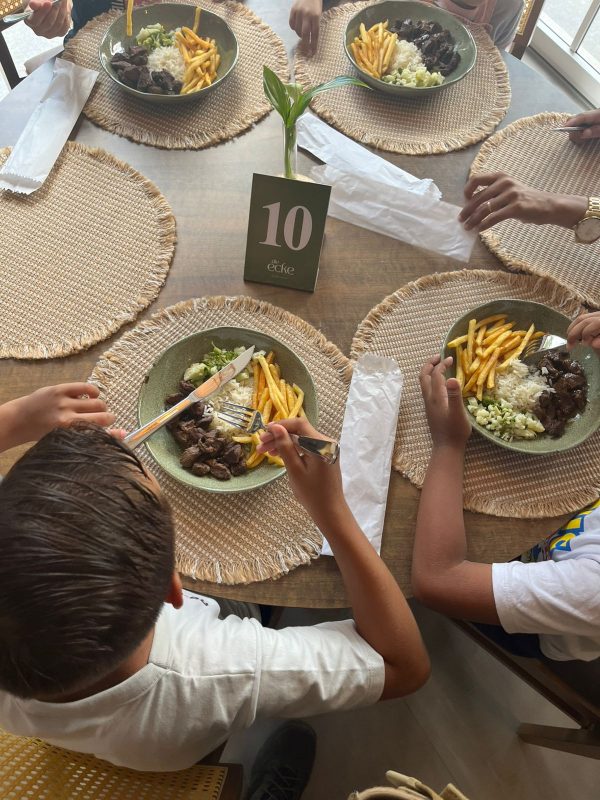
[34, 415]
[585, 329]
[48, 20]
[304, 19]
[446, 415]
[316, 484]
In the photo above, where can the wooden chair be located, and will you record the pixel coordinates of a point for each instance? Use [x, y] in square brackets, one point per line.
[527, 24]
[6, 61]
[572, 686]
[30, 768]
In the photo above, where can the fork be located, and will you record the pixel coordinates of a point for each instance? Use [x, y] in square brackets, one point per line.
[10, 18]
[549, 343]
[250, 421]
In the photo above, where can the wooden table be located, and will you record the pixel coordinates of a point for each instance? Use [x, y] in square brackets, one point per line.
[358, 269]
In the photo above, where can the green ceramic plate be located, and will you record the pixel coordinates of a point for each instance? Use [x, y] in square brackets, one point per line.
[550, 321]
[163, 379]
[171, 16]
[393, 10]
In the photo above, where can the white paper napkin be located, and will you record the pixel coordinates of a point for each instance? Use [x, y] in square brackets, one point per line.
[48, 128]
[370, 192]
[367, 442]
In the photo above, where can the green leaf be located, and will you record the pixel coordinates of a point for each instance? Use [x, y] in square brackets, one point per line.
[302, 103]
[276, 93]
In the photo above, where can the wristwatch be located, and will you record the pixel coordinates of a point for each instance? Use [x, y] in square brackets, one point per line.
[587, 229]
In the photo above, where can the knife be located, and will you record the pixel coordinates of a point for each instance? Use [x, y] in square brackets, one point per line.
[206, 389]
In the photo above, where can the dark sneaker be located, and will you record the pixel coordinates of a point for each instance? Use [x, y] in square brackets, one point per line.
[284, 763]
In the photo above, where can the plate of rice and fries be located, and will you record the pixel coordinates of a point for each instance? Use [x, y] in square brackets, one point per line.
[276, 382]
[168, 53]
[500, 392]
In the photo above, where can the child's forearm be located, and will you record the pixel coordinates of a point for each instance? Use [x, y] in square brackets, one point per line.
[380, 610]
[440, 541]
[442, 576]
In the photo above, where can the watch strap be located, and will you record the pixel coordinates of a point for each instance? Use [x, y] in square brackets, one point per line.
[593, 208]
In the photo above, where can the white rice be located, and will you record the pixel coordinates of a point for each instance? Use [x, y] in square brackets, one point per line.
[519, 387]
[168, 58]
[407, 56]
[233, 392]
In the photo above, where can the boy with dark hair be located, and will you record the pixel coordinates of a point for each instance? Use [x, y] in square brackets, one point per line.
[91, 659]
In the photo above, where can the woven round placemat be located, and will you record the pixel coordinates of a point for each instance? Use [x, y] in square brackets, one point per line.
[449, 120]
[410, 326]
[228, 111]
[81, 256]
[233, 538]
[530, 151]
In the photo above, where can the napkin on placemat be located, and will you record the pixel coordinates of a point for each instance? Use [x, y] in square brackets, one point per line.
[371, 192]
[367, 442]
[48, 128]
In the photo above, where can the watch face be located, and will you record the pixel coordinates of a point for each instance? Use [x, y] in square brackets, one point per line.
[588, 230]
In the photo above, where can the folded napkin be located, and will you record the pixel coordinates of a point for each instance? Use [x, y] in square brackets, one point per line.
[48, 128]
[370, 192]
[367, 442]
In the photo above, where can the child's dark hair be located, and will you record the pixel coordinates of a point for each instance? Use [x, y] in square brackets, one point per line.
[86, 559]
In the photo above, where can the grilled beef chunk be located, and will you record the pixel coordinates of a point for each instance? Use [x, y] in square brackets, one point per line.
[436, 44]
[177, 397]
[131, 67]
[219, 471]
[567, 378]
[189, 457]
[232, 453]
[206, 451]
[200, 469]
[238, 469]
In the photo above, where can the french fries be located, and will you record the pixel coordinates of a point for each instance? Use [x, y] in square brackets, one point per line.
[373, 48]
[201, 58]
[275, 399]
[129, 18]
[486, 350]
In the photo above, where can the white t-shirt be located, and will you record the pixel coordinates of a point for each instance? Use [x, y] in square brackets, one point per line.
[206, 678]
[557, 594]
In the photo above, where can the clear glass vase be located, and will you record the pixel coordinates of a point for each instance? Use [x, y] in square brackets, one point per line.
[290, 152]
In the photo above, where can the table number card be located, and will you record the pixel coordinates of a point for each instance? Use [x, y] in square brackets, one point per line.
[285, 232]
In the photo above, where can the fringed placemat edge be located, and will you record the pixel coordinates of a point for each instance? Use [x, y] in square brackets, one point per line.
[271, 567]
[164, 255]
[288, 557]
[450, 144]
[489, 237]
[561, 298]
[361, 340]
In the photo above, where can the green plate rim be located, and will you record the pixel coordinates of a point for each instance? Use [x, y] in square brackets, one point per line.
[519, 446]
[175, 97]
[221, 487]
[377, 82]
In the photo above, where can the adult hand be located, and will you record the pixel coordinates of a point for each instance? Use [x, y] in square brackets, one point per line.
[316, 484]
[586, 330]
[494, 196]
[58, 407]
[304, 20]
[446, 415]
[48, 20]
[590, 118]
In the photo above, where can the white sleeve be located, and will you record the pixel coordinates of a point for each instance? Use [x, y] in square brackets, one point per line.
[308, 670]
[548, 597]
